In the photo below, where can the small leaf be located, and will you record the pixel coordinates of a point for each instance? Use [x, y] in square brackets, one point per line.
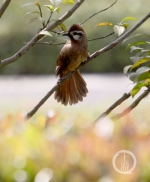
[142, 70]
[128, 18]
[37, 4]
[31, 13]
[63, 27]
[125, 25]
[147, 82]
[68, 1]
[52, 1]
[24, 5]
[104, 24]
[57, 9]
[50, 7]
[133, 77]
[43, 32]
[137, 88]
[138, 63]
[135, 36]
[55, 2]
[126, 69]
[134, 48]
[143, 76]
[136, 43]
[118, 30]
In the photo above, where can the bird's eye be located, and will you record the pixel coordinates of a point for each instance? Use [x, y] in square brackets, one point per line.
[76, 33]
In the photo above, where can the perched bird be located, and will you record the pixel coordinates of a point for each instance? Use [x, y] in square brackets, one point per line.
[74, 52]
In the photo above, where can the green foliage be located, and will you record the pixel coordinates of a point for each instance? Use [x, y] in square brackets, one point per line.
[139, 72]
[120, 27]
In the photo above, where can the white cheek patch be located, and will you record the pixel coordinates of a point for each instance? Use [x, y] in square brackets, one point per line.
[76, 37]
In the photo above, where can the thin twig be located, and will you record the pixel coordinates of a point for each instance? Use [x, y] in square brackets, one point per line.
[4, 7]
[101, 37]
[97, 13]
[132, 106]
[62, 43]
[37, 37]
[117, 103]
[90, 58]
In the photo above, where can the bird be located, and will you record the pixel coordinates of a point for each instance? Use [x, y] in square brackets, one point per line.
[73, 53]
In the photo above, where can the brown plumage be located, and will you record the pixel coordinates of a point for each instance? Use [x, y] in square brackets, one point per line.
[71, 56]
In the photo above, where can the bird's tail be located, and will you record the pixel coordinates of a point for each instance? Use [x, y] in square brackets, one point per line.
[72, 90]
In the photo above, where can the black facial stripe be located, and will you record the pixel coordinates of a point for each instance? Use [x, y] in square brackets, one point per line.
[76, 33]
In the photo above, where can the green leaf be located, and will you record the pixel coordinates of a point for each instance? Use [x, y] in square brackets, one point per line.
[104, 24]
[137, 88]
[134, 48]
[138, 63]
[134, 36]
[43, 32]
[68, 1]
[136, 43]
[143, 76]
[147, 82]
[63, 27]
[50, 7]
[31, 13]
[128, 18]
[57, 9]
[125, 25]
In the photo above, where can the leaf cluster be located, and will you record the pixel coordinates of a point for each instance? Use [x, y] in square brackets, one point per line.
[139, 71]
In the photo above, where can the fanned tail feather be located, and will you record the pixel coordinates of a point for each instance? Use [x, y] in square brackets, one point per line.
[72, 90]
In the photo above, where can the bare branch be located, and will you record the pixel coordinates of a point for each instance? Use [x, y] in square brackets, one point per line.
[37, 37]
[132, 106]
[117, 103]
[97, 13]
[4, 7]
[44, 99]
[94, 55]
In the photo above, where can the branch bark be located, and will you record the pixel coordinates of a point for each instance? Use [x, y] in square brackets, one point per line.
[37, 37]
[132, 106]
[94, 55]
[4, 7]
[117, 103]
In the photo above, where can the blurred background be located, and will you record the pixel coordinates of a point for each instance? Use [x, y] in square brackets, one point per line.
[41, 59]
[63, 144]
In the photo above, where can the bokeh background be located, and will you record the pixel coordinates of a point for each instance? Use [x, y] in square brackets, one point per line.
[41, 59]
[63, 144]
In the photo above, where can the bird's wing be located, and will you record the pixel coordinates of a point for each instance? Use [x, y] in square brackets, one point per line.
[63, 60]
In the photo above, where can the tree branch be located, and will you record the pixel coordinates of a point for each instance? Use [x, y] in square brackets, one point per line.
[93, 56]
[98, 13]
[62, 43]
[37, 37]
[4, 7]
[132, 106]
[117, 103]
